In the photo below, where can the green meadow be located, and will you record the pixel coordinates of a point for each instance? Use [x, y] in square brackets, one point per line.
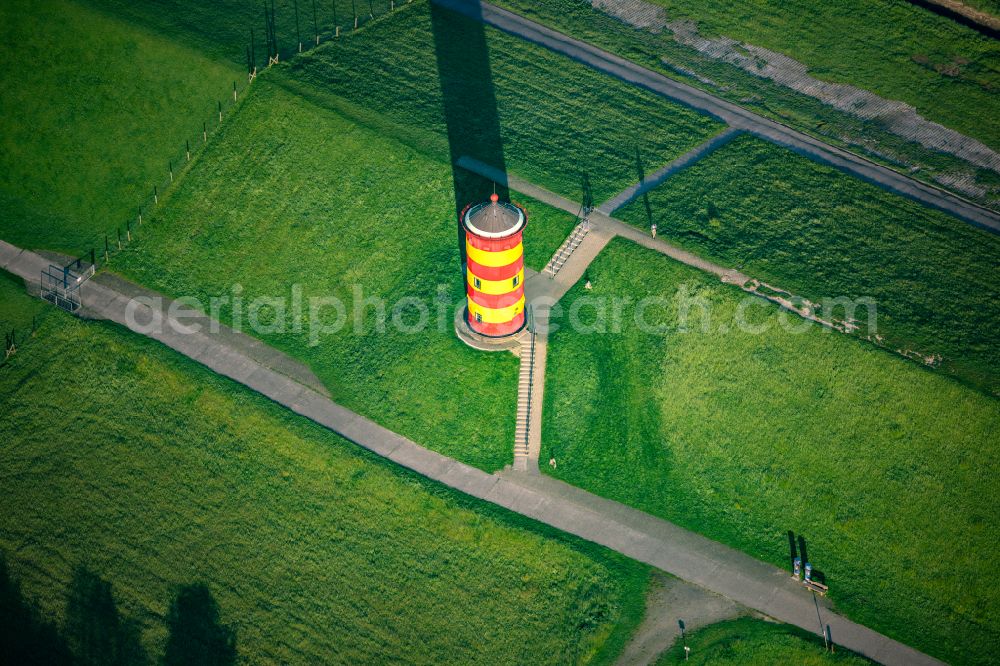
[818, 233]
[18, 312]
[744, 432]
[158, 473]
[751, 642]
[94, 109]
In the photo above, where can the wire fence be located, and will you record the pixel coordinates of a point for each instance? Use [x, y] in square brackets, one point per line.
[282, 34]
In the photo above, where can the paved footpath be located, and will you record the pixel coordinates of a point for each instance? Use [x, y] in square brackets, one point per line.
[689, 556]
[733, 115]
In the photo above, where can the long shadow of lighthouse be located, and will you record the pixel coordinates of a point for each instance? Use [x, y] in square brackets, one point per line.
[470, 104]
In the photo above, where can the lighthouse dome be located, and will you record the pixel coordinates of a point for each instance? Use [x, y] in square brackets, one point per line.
[494, 219]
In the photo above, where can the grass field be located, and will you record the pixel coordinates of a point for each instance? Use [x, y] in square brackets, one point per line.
[886, 468]
[157, 473]
[17, 312]
[865, 53]
[93, 108]
[751, 642]
[558, 119]
[818, 233]
[269, 206]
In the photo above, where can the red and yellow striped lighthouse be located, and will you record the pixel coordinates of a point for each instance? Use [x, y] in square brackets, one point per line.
[494, 267]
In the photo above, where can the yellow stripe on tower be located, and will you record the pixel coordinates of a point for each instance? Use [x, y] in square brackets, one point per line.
[498, 315]
[496, 287]
[494, 259]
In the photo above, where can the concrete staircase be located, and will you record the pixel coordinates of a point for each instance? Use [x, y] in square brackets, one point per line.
[525, 384]
[565, 250]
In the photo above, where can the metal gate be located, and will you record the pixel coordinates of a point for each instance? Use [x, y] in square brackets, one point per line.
[61, 285]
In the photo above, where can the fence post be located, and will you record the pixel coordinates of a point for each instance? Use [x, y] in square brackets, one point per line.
[119, 230]
[128, 230]
[298, 33]
[107, 252]
[234, 92]
[315, 24]
[187, 148]
[93, 258]
[204, 132]
[220, 112]
[156, 197]
[140, 214]
[170, 165]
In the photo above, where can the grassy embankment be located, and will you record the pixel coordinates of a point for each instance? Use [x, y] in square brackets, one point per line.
[558, 119]
[221, 28]
[888, 469]
[875, 46]
[140, 465]
[818, 233]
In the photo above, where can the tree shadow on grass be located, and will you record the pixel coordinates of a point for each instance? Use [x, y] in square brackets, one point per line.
[95, 630]
[25, 638]
[197, 636]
